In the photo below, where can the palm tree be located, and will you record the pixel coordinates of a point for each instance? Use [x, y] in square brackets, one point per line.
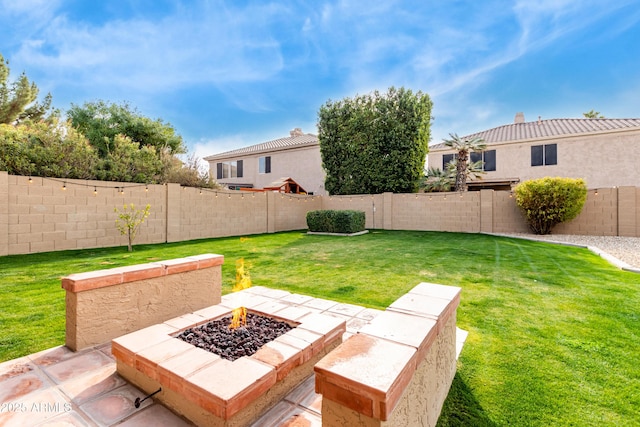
[435, 179]
[462, 148]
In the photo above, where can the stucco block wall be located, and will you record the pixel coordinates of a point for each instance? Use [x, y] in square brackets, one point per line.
[291, 210]
[372, 205]
[225, 213]
[40, 216]
[599, 217]
[507, 217]
[4, 213]
[104, 304]
[628, 211]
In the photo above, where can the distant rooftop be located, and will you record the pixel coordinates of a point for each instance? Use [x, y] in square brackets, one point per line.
[295, 139]
[539, 129]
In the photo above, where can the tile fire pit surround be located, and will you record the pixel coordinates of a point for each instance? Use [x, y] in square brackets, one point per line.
[211, 391]
[394, 368]
[397, 370]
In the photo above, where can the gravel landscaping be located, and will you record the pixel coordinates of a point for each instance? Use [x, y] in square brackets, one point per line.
[625, 249]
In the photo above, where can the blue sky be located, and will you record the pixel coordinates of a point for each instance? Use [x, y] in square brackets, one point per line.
[227, 74]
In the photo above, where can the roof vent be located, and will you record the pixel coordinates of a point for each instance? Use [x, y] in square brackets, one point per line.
[296, 132]
[519, 118]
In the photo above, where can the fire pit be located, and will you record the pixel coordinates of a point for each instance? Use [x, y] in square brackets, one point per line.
[221, 338]
[211, 390]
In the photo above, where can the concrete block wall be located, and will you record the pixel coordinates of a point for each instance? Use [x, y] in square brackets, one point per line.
[599, 217]
[40, 216]
[506, 216]
[205, 213]
[290, 211]
[628, 211]
[372, 205]
[4, 214]
[52, 215]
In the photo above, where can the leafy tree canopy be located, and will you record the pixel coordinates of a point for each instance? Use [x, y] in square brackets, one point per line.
[101, 122]
[41, 149]
[375, 143]
[18, 99]
[593, 115]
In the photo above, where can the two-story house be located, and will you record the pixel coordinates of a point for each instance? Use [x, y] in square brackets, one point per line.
[604, 152]
[259, 166]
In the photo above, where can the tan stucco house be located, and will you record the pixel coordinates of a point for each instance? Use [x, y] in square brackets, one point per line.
[604, 152]
[296, 157]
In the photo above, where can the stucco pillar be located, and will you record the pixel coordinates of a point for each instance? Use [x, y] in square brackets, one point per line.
[486, 211]
[271, 212]
[173, 213]
[387, 211]
[627, 211]
[4, 213]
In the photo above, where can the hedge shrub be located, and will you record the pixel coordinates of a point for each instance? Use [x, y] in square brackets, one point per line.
[547, 202]
[335, 221]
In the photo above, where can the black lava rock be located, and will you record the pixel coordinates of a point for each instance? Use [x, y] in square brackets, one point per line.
[218, 338]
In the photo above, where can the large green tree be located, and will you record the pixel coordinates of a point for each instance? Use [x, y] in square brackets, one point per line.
[101, 122]
[50, 150]
[18, 99]
[375, 143]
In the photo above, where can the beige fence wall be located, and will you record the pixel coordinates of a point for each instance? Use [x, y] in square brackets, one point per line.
[40, 215]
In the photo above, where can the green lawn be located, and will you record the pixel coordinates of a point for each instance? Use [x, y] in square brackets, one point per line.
[554, 331]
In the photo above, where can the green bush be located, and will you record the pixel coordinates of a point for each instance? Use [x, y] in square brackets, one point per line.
[548, 201]
[335, 221]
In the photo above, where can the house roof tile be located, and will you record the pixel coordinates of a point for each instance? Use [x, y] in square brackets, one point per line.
[549, 128]
[289, 142]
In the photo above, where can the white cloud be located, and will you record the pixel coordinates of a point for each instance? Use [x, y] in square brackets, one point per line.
[191, 47]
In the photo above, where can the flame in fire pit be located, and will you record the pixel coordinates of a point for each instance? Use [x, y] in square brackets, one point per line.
[243, 281]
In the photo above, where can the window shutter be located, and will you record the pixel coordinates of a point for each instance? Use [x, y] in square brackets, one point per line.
[537, 155]
[490, 160]
[551, 154]
[267, 164]
[239, 164]
[219, 170]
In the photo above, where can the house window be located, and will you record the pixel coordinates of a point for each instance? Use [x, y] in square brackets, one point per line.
[544, 155]
[446, 159]
[231, 169]
[488, 159]
[264, 164]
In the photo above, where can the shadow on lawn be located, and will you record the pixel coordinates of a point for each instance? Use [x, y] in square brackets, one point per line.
[461, 407]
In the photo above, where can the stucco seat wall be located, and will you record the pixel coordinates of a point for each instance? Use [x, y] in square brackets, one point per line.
[105, 304]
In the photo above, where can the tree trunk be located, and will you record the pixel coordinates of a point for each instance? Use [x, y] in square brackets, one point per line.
[461, 171]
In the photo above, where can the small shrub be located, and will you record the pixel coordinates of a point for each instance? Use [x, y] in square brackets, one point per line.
[547, 202]
[335, 221]
[129, 221]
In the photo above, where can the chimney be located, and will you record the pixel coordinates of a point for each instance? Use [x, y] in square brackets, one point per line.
[296, 132]
[539, 120]
[519, 118]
